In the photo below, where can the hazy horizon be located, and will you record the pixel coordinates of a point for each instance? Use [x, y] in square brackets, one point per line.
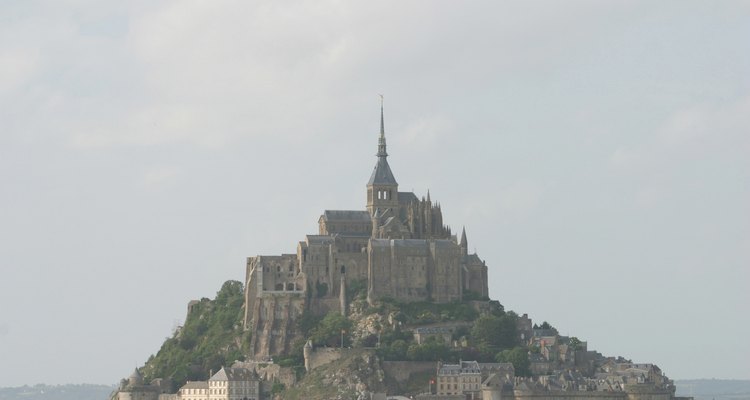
[596, 152]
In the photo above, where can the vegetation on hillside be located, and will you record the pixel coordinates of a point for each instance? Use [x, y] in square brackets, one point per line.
[211, 337]
[484, 338]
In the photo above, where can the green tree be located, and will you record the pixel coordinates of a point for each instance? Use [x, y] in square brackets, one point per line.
[519, 357]
[395, 351]
[495, 332]
[329, 331]
[208, 340]
[431, 350]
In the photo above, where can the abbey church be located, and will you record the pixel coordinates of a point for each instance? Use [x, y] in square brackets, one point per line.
[398, 247]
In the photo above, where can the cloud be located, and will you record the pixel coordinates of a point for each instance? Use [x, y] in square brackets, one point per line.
[4, 328]
[427, 131]
[516, 201]
[160, 175]
[687, 136]
[17, 66]
[520, 198]
[705, 125]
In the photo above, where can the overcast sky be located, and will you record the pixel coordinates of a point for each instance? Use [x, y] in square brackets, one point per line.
[597, 153]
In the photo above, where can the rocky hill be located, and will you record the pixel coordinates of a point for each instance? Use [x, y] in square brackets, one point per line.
[364, 343]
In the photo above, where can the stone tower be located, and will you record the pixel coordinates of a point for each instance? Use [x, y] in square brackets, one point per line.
[464, 243]
[398, 247]
[382, 188]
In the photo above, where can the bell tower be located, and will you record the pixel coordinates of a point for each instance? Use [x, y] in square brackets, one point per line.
[382, 188]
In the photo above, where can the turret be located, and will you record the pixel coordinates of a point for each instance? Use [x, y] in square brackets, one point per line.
[135, 378]
[382, 188]
[464, 243]
[342, 291]
[307, 353]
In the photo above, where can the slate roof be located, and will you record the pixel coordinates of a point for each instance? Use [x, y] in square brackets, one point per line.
[346, 215]
[412, 242]
[136, 374]
[464, 367]
[319, 239]
[195, 385]
[472, 259]
[234, 374]
[407, 197]
[382, 174]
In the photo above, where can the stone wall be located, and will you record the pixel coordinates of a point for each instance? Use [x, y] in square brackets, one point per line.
[402, 370]
[325, 355]
[647, 391]
[571, 395]
[274, 322]
[269, 372]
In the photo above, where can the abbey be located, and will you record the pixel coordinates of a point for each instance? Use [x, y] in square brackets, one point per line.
[398, 247]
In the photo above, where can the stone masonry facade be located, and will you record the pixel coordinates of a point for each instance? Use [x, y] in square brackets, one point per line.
[398, 247]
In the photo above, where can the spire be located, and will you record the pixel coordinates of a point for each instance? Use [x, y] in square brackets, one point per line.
[464, 243]
[382, 174]
[381, 140]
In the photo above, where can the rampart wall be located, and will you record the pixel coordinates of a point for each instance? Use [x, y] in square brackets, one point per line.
[402, 370]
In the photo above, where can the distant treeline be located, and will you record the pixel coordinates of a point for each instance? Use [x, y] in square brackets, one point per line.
[57, 392]
[714, 389]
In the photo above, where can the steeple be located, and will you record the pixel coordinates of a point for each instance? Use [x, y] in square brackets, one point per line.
[382, 174]
[381, 140]
[382, 188]
[464, 243]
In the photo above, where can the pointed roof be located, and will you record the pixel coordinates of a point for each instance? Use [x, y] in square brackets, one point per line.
[382, 174]
[464, 242]
[233, 374]
[136, 374]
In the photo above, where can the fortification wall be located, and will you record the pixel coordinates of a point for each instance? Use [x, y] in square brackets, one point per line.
[138, 395]
[402, 370]
[647, 391]
[572, 395]
[274, 322]
[325, 355]
[446, 271]
[269, 372]
[324, 306]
